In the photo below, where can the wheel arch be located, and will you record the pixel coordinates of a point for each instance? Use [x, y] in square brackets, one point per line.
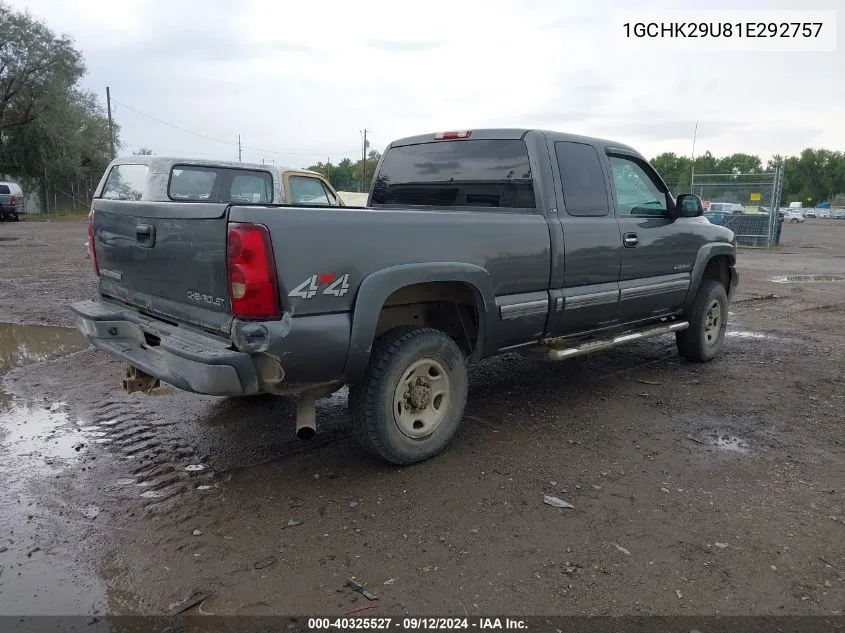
[714, 261]
[395, 289]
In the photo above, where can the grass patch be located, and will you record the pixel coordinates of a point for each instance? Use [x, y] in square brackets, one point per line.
[53, 216]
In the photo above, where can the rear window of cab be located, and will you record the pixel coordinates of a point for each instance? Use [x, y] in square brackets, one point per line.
[190, 183]
[487, 174]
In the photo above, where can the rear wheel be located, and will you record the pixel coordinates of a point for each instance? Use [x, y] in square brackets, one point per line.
[708, 321]
[410, 403]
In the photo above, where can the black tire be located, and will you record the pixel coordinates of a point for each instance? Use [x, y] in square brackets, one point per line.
[16, 217]
[376, 421]
[703, 339]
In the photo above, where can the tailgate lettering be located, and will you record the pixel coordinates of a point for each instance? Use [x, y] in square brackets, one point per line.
[198, 297]
[111, 274]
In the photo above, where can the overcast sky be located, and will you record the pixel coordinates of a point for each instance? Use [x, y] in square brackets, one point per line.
[300, 80]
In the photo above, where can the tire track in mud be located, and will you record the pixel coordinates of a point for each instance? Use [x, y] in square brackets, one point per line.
[157, 462]
[140, 437]
[167, 453]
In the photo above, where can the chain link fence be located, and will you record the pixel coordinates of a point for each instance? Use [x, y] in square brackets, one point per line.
[68, 196]
[748, 204]
[57, 197]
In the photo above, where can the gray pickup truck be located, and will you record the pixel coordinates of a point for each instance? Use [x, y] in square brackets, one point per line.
[474, 243]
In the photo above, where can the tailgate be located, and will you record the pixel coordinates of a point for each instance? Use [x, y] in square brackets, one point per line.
[166, 258]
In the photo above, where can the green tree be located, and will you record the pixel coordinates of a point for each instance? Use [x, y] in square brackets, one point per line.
[675, 170]
[813, 176]
[346, 175]
[739, 164]
[34, 62]
[706, 164]
[50, 129]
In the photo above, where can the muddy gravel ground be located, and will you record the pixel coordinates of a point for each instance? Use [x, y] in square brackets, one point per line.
[697, 489]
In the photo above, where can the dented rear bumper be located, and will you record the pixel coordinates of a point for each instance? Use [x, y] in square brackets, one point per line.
[185, 358]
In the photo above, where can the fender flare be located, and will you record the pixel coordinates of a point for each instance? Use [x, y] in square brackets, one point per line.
[705, 255]
[378, 286]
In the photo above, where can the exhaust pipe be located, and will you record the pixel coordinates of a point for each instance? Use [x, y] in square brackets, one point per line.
[306, 401]
[306, 423]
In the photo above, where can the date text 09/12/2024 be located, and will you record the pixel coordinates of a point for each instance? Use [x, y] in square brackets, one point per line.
[415, 624]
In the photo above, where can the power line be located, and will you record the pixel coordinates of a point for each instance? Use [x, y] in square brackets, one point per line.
[230, 143]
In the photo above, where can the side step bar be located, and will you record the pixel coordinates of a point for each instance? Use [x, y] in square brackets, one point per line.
[602, 344]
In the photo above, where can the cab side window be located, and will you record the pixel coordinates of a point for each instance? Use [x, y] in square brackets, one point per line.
[306, 190]
[126, 182]
[251, 187]
[582, 178]
[332, 198]
[636, 192]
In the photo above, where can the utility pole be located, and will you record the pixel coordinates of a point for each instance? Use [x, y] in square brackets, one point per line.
[111, 127]
[364, 164]
[239, 148]
[692, 173]
[45, 193]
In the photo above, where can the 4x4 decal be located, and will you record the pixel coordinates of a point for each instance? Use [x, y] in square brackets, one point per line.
[335, 285]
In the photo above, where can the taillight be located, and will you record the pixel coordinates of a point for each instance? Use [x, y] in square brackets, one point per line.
[252, 272]
[451, 136]
[14, 201]
[91, 242]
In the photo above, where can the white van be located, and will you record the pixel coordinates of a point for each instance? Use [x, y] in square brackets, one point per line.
[725, 207]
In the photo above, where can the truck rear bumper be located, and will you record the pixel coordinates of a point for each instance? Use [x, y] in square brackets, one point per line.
[187, 359]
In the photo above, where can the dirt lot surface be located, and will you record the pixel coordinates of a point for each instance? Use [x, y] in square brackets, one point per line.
[697, 489]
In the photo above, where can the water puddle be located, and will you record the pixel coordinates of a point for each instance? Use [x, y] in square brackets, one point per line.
[25, 344]
[744, 334]
[730, 443]
[786, 279]
[35, 431]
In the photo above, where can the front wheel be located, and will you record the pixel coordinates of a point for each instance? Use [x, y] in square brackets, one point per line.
[411, 401]
[708, 321]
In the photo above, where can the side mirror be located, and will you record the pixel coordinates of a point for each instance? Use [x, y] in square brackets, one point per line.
[688, 205]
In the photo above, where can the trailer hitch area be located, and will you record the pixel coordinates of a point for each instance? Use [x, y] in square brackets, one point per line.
[137, 380]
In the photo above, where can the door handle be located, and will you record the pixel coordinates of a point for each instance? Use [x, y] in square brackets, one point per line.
[630, 240]
[145, 234]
